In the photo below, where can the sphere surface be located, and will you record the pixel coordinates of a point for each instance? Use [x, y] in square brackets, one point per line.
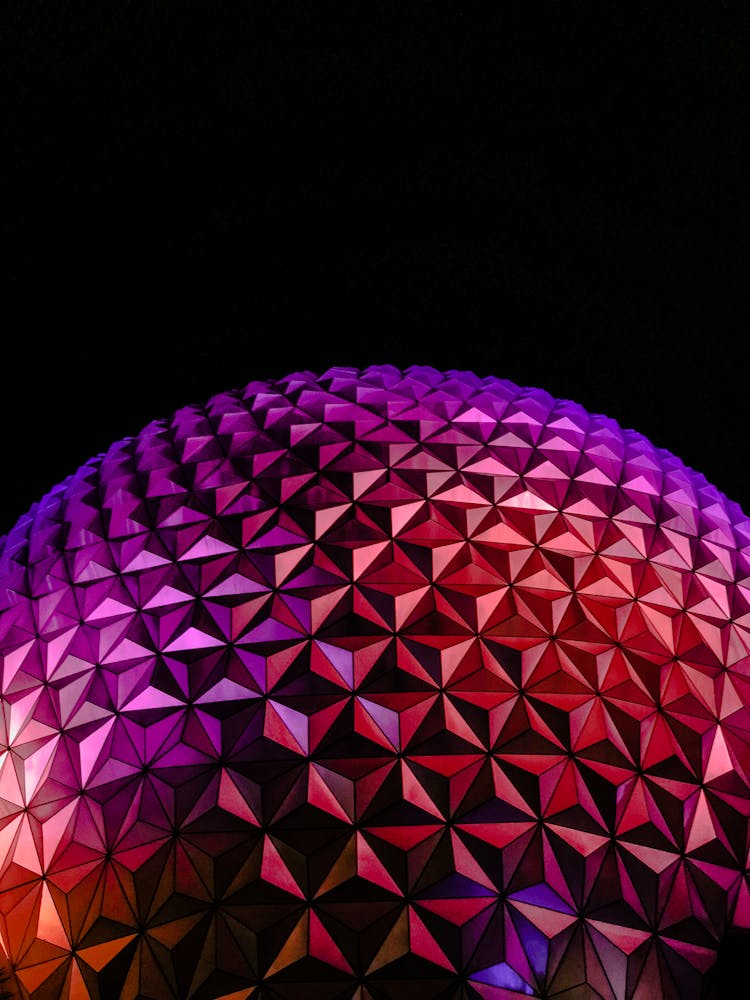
[375, 685]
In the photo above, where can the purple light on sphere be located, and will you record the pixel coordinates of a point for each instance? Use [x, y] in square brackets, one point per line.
[375, 685]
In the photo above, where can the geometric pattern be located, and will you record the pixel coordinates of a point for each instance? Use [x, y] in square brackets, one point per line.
[375, 685]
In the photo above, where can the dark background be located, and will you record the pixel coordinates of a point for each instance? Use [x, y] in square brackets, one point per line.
[199, 193]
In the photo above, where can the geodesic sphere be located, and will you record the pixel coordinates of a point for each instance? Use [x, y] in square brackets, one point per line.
[375, 685]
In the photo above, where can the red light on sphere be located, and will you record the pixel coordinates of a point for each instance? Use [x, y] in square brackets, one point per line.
[375, 685]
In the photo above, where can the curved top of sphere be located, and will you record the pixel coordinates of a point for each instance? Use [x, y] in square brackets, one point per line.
[375, 681]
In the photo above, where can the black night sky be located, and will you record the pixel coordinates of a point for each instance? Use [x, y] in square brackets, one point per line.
[197, 194]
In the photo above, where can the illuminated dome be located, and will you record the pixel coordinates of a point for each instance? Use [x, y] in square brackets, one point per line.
[375, 685]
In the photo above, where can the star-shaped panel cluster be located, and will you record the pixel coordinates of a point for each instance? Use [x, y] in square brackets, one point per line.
[375, 685]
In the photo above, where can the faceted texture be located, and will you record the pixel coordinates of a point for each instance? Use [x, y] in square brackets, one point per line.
[375, 685]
